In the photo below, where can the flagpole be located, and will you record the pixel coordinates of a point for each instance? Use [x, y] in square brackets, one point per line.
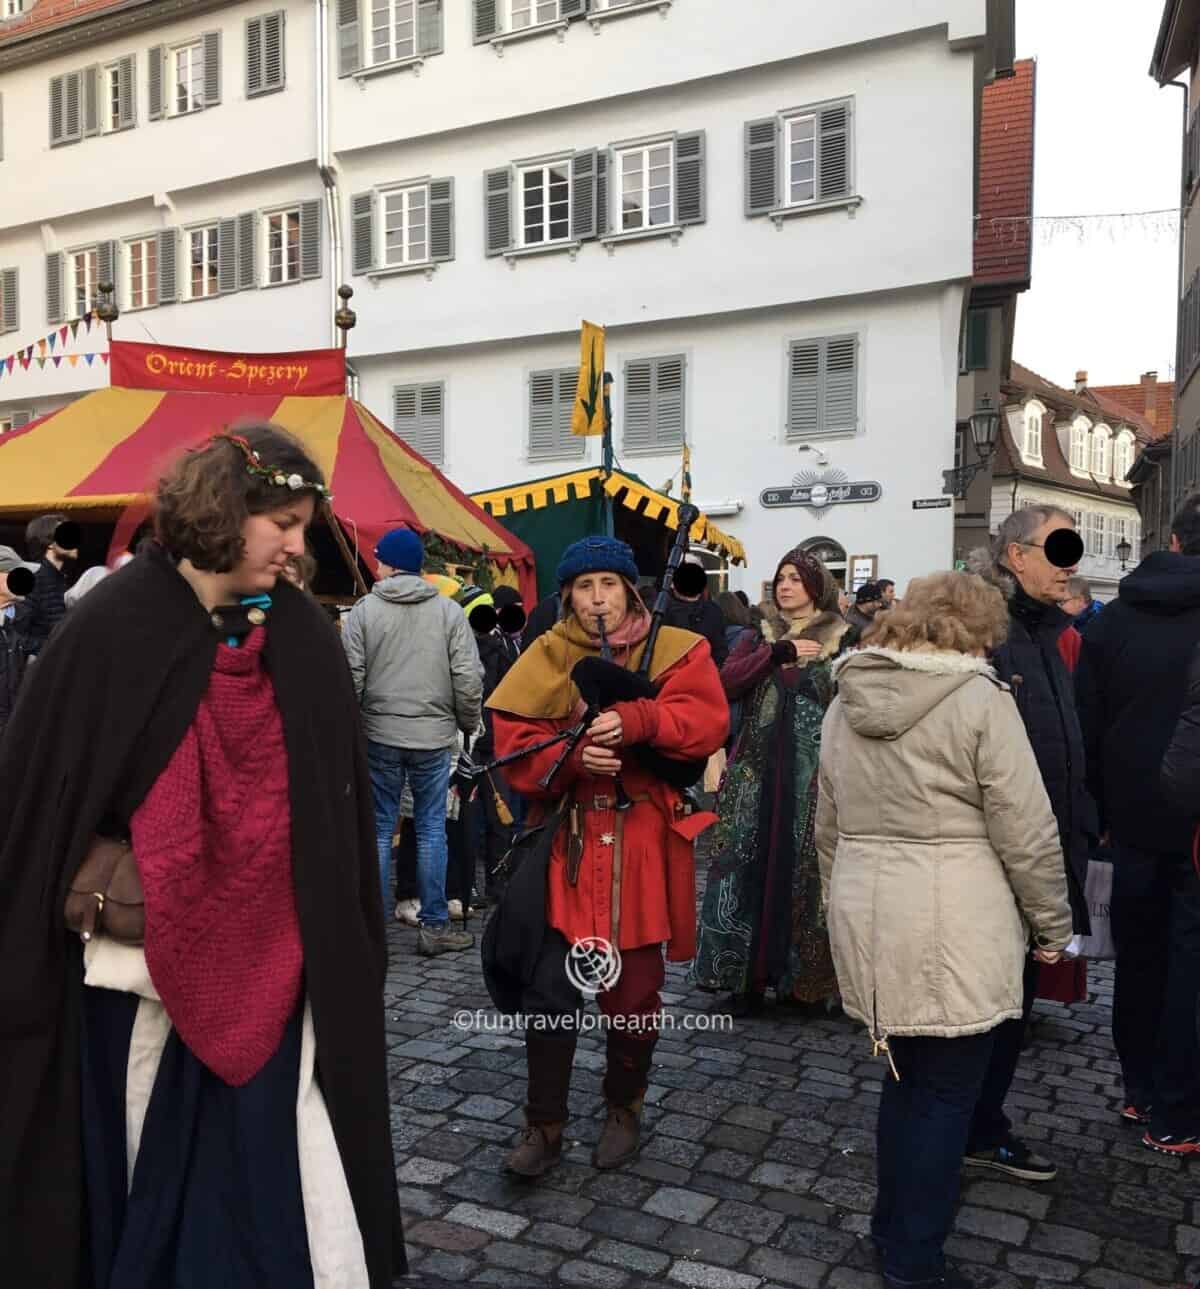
[607, 454]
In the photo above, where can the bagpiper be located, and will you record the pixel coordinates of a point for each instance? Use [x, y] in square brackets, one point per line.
[620, 869]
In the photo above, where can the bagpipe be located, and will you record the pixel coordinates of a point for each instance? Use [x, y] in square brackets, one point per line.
[601, 682]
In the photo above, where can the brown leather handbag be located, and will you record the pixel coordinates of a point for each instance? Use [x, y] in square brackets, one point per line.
[106, 896]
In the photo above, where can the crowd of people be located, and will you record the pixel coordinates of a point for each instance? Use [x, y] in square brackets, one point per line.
[228, 801]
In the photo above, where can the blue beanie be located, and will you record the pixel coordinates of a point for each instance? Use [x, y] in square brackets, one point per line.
[401, 549]
[597, 555]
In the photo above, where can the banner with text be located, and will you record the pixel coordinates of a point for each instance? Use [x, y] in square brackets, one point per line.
[311, 372]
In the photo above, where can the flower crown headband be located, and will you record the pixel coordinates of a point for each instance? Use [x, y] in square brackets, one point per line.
[255, 467]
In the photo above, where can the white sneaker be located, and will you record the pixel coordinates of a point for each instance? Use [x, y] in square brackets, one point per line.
[407, 912]
[455, 908]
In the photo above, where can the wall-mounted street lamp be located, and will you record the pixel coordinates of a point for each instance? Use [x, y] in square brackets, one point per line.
[1124, 550]
[985, 426]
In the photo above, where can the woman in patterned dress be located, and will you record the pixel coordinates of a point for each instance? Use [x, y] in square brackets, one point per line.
[761, 923]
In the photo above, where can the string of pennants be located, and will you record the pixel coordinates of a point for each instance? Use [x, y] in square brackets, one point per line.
[48, 350]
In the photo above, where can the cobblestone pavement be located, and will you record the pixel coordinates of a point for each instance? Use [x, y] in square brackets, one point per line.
[757, 1166]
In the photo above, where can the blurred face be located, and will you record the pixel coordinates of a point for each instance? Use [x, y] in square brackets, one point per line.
[843, 603]
[270, 540]
[599, 594]
[1074, 605]
[889, 595]
[790, 592]
[1039, 578]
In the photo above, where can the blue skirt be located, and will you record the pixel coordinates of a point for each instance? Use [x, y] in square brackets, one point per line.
[215, 1200]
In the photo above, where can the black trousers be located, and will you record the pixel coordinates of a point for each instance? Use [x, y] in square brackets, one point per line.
[921, 1133]
[1156, 930]
[990, 1126]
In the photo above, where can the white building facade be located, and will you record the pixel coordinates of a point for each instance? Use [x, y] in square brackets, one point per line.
[769, 206]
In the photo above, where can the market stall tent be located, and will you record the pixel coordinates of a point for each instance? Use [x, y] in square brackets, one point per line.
[97, 458]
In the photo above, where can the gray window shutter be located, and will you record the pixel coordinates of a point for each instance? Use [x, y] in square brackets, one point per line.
[689, 178]
[551, 402]
[9, 312]
[73, 117]
[91, 100]
[602, 192]
[654, 413]
[57, 98]
[418, 417]
[212, 68]
[834, 152]
[106, 264]
[310, 239]
[265, 60]
[227, 256]
[247, 251]
[430, 39]
[128, 98]
[639, 419]
[668, 402]
[255, 75]
[583, 194]
[762, 165]
[804, 382]
[156, 81]
[498, 231]
[168, 266]
[573, 8]
[839, 393]
[362, 232]
[441, 219]
[54, 287]
[349, 38]
[487, 20]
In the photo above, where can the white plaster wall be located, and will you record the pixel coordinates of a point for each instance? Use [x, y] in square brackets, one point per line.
[736, 387]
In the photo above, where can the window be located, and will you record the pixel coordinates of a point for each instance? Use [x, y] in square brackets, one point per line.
[1122, 456]
[9, 313]
[1118, 532]
[532, 13]
[141, 273]
[799, 158]
[545, 203]
[1101, 452]
[1079, 445]
[187, 79]
[654, 405]
[265, 54]
[975, 341]
[961, 429]
[647, 187]
[822, 387]
[282, 231]
[393, 30]
[405, 227]
[1095, 534]
[419, 419]
[110, 83]
[377, 33]
[12, 8]
[551, 401]
[1031, 446]
[203, 262]
[82, 279]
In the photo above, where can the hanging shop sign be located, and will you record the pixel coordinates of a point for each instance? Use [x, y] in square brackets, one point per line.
[818, 490]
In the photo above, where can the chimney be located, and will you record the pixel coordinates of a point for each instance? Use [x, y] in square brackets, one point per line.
[1080, 381]
[1150, 396]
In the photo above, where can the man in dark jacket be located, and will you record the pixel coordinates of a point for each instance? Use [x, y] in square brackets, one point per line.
[46, 605]
[690, 609]
[1131, 680]
[1026, 561]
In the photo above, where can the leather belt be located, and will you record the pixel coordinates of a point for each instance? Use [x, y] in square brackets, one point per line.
[602, 802]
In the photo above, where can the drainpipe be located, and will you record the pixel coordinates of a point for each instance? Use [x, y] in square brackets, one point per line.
[333, 205]
[1183, 160]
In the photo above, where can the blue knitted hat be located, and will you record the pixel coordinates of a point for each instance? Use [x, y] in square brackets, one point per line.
[402, 550]
[597, 555]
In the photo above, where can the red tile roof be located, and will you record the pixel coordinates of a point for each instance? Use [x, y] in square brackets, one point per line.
[1131, 399]
[1003, 241]
[43, 15]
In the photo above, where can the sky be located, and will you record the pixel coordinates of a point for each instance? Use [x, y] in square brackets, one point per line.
[1106, 140]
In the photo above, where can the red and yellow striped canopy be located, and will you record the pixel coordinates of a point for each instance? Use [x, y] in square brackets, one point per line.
[103, 453]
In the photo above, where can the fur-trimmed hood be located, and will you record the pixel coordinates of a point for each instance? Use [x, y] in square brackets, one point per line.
[885, 692]
[827, 629]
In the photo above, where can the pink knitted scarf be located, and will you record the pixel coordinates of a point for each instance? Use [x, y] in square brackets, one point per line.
[213, 844]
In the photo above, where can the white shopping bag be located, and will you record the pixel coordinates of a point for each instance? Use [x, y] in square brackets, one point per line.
[1099, 945]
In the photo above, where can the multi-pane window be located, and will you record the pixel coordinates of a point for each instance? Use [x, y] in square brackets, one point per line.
[1079, 446]
[545, 203]
[203, 261]
[1095, 533]
[283, 246]
[551, 402]
[1122, 457]
[393, 30]
[13, 7]
[110, 88]
[82, 268]
[141, 273]
[801, 159]
[187, 72]
[647, 186]
[406, 226]
[1033, 435]
[532, 13]
[1101, 454]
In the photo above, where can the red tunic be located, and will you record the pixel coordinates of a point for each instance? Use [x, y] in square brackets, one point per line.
[689, 719]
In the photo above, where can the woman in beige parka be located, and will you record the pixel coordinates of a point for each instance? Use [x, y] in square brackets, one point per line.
[939, 860]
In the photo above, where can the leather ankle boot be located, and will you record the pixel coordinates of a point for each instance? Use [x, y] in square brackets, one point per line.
[624, 1089]
[621, 1138]
[548, 1058]
[537, 1150]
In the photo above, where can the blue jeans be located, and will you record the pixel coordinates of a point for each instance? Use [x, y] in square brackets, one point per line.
[428, 774]
[921, 1135]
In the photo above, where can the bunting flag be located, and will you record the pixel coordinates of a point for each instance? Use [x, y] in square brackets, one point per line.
[58, 360]
[53, 338]
[104, 358]
[10, 364]
[62, 335]
[41, 345]
[74, 328]
[87, 320]
[73, 359]
[41, 362]
[88, 358]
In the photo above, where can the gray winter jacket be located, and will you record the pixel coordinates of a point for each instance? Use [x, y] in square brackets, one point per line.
[415, 665]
